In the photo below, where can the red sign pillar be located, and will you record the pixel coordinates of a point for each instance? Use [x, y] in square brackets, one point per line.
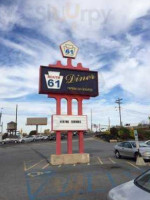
[69, 138]
[81, 142]
[58, 133]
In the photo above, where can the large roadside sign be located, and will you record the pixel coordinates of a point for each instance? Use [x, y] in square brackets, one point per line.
[68, 81]
[36, 121]
[69, 122]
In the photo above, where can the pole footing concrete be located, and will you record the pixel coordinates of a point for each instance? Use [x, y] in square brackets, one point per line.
[140, 161]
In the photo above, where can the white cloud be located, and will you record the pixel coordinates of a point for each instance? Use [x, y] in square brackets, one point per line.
[16, 46]
[8, 17]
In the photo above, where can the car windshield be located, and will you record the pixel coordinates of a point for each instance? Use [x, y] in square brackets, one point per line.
[142, 144]
[143, 181]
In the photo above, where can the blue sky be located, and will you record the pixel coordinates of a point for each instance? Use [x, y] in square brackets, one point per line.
[113, 37]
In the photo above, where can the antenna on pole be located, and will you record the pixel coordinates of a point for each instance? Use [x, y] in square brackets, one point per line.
[119, 102]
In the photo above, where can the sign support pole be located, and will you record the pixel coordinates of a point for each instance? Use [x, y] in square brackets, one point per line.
[81, 142]
[58, 133]
[69, 139]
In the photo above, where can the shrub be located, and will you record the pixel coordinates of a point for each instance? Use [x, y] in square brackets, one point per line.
[33, 132]
[107, 132]
[114, 132]
[131, 132]
[124, 133]
[144, 134]
[5, 135]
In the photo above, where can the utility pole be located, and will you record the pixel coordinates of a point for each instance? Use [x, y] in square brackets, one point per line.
[16, 118]
[1, 124]
[119, 102]
[1, 120]
[109, 123]
[99, 127]
[149, 120]
[91, 121]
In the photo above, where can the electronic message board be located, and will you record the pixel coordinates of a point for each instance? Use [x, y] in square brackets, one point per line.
[68, 81]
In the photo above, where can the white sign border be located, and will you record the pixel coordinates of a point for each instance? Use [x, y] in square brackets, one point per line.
[70, 116]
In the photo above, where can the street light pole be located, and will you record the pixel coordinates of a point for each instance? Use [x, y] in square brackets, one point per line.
[119, 102]
[91, 121]
[1, 119]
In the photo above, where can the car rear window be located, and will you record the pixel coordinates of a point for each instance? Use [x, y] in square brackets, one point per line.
[143, 181]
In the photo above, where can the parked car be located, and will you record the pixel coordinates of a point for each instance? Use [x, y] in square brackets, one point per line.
[52, 137]
[38, 138]
[75, 133]
[138, 189]
[63, 136]
[128, 149]
[14, 140]
[27, 139]
[6, 141]
[45, 137]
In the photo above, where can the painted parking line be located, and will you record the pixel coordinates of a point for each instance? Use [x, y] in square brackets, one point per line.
[111, 179]
[35, 174]
[100, 161]
[45, 166]
[112, 160]
[133, 165]
[32, 166]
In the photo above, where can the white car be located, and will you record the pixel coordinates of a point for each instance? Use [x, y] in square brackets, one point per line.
[26, 139]
[138, 189]
[38, 137]
[6, 141]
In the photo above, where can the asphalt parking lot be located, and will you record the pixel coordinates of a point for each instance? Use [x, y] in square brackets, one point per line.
[26, 174]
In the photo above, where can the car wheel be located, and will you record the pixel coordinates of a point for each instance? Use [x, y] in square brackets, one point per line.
[117, 154]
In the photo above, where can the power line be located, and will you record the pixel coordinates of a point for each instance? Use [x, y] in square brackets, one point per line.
[135, 112]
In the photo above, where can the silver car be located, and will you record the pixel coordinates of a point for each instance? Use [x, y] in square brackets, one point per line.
[128, 149]
[26, 139]
[138, 189]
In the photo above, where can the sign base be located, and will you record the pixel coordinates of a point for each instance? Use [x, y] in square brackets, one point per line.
[66, 159]
[140, 161]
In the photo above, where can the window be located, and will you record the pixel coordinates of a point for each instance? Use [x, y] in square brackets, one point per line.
[133, 144]
[127, 145]
[148, 143]
[143, 181]
[121, 144]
